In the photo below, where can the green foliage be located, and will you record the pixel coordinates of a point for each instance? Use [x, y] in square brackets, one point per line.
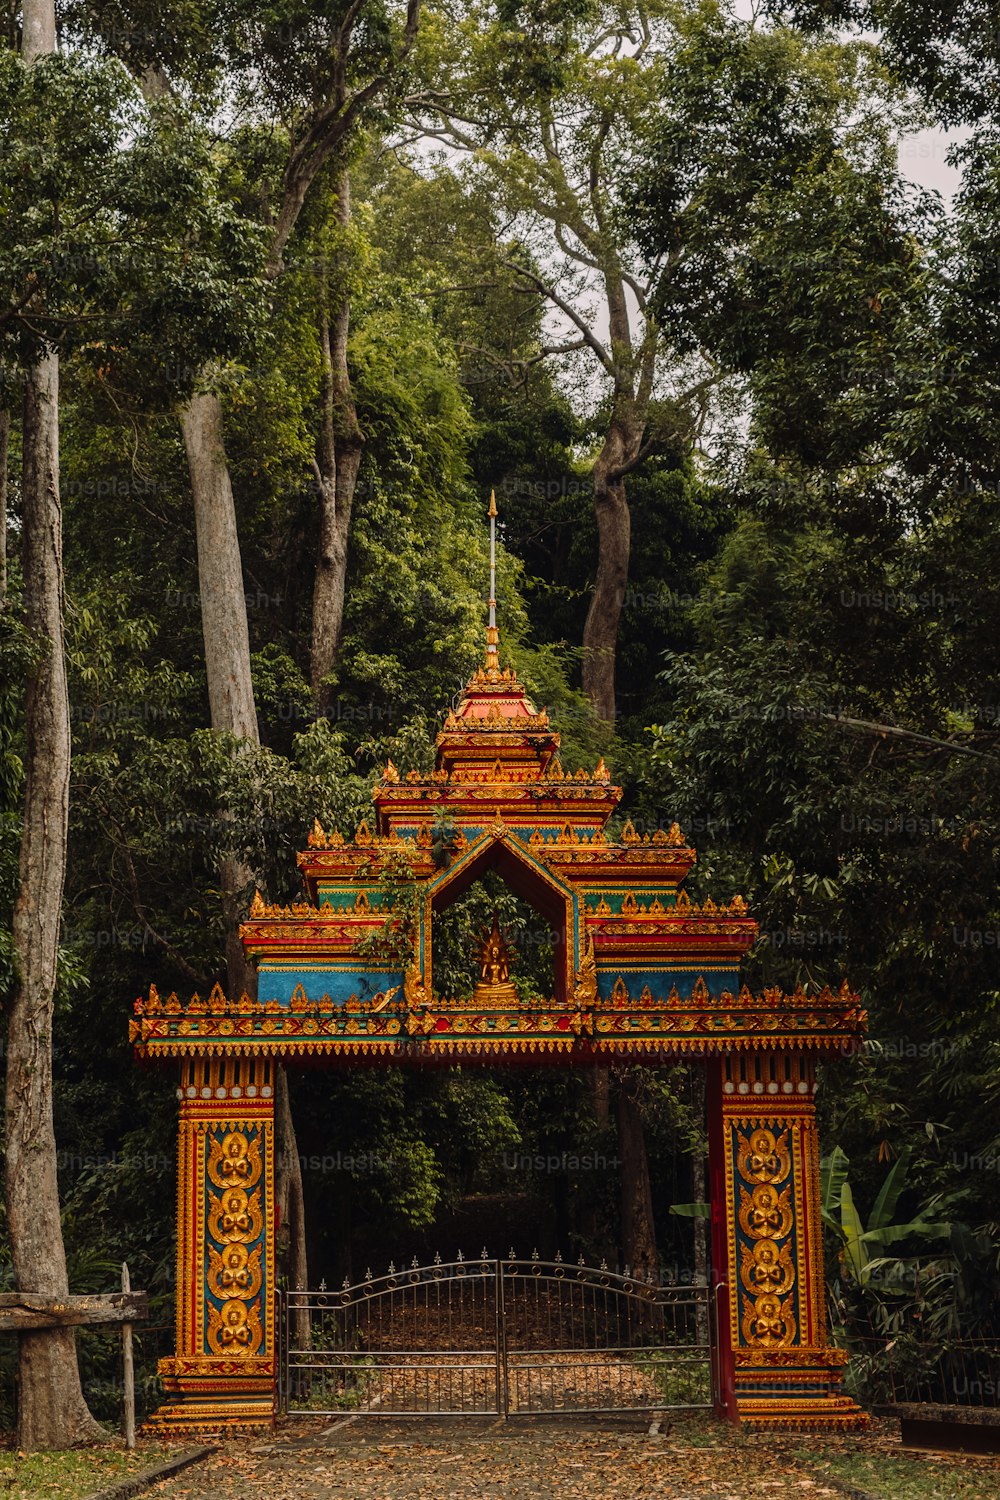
[115, 242]
[828, 726]
[920, 1283]
[444, 831]
[951, 53]
[860, 1255]
[399, 898]
[782, 239]
[76, 1471]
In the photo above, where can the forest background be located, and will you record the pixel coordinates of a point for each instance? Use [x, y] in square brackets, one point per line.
[288, 289]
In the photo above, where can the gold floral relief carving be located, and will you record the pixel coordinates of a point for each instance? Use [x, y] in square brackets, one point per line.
[234, 1328]
[768, 1322]
[235, 1215]
[766, 1215]
[234, 1161]
[763, 1159]
[234, 1273]
[767, 1268]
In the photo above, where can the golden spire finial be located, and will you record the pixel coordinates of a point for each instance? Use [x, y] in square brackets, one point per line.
[492, 634]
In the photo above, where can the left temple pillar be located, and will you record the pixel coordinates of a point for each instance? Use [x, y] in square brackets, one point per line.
[222, 1377]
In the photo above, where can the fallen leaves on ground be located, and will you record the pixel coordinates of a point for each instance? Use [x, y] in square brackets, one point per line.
[354, 1462]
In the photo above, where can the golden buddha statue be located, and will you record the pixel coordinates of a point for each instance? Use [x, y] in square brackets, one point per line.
[494, 989]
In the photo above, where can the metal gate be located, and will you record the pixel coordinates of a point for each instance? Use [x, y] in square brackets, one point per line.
[493, 1337]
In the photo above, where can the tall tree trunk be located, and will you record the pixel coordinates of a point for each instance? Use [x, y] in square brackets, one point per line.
[634, 362]
[220, 571]
[4, 459]
[51, 1410]
[232, 710]
[638, 1229]
[241, 977]
[343, 1207]
[224, 626]
[600, 1095]
[614, 541]
[338, 459]
[38, 29]
[592, 1224]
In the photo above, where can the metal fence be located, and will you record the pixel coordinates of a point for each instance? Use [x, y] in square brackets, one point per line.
[502, 1337]
[946, 1372]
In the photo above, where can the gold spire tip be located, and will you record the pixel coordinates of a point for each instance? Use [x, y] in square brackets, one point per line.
[492, 638]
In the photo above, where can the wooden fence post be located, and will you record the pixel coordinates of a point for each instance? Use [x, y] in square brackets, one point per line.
[128, 1368]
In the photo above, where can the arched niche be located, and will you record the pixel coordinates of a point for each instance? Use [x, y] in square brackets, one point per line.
[528, 878]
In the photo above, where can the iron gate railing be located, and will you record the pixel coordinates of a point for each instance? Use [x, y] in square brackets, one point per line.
[496, 1337]
[904, 1368]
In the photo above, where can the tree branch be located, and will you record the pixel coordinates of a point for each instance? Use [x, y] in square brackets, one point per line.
[578, 255]
[621, 470]
[17, 307]
[894, 732]
[594, 179]
[331, 125]
[589, 338]
[647, 362]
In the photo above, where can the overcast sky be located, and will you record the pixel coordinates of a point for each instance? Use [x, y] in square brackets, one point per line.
[922, 159]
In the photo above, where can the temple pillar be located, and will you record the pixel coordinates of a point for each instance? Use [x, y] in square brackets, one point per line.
[776, 1367]
[222, 1377]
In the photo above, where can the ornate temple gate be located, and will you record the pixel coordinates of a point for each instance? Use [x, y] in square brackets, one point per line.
[642, 975]
[489, 1337]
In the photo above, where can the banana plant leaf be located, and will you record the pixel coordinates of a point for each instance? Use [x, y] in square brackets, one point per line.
[854, 1233]
[832, 1177]
[884, 1206]
[891, 1234]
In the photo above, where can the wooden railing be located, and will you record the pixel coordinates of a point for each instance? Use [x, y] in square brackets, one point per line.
[30, 1312]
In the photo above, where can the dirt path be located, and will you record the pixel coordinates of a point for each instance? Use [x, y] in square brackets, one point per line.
[363, 1460]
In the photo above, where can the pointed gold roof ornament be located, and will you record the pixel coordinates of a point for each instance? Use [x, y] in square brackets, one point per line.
[492, 634]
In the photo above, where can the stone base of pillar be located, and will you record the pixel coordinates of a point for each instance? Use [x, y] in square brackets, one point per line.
[213, 1396]
[210, 1418]
[795, 1390]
